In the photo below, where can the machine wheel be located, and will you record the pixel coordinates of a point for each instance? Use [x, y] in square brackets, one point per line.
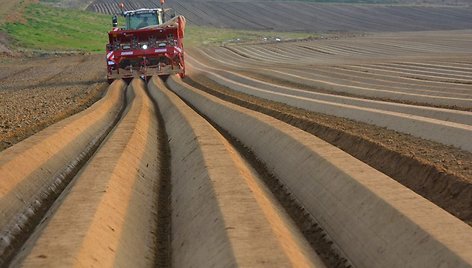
[164, 77]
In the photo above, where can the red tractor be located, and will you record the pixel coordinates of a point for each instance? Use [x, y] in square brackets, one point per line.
[149, 44]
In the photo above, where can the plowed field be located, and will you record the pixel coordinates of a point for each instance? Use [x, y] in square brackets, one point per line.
[351, 152]
[35, 93]
[306, 16]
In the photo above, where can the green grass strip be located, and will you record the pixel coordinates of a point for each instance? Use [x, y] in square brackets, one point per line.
[49, 28]
[198, 36]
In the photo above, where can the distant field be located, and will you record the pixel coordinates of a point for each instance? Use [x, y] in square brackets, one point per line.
[48, 28]
[43, 27]
[349, 1]
[407, 2]
[308, 17]
[197, 35]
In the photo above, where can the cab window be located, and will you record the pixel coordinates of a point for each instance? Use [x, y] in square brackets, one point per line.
[137, 21]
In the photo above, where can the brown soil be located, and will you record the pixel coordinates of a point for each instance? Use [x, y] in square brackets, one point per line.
[307, 16]
[57, 86]
[94, 126]
[35, 93]
[438, 172]
[5, 52]
[164, 187]
[281, 81]
[312, 231]
[111, 217]
[12, 10]
[227, 173]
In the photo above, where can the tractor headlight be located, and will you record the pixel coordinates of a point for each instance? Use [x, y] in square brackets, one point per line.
[144, 46]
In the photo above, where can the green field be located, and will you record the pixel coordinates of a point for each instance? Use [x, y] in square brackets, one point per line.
[48, 28]
[198, 36]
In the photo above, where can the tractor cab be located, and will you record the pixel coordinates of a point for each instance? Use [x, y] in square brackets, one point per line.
[141, 18]
[144, 17]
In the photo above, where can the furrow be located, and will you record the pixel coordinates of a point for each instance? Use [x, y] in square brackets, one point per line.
[222, 214]
[374, 220]
[109, 216]
[35, 171]
[407, 121]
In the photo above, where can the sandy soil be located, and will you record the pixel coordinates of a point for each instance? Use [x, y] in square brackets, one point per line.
[389, 151]
[248, 219]
[35, 93]
[60, 86]
[166, 175]
[399, 66]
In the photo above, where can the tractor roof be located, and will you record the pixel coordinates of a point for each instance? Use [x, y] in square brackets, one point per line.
[141, 11]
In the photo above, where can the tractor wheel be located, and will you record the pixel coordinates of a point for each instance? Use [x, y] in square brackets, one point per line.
[164, 77]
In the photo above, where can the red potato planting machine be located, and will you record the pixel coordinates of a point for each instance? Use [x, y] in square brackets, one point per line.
[149, 44]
